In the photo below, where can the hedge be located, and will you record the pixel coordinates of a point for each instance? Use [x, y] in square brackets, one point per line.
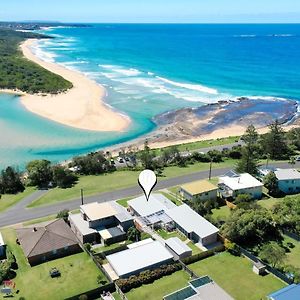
[146, 277]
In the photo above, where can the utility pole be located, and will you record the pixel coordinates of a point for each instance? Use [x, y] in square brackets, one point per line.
[210, 166]
[81, 193]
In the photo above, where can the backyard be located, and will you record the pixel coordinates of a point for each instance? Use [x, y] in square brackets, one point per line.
[160, 288]
[293, 257]
[36, 283]
[166, 235]
[228, 270]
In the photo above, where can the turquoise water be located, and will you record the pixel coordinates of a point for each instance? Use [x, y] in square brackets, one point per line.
[150, 69]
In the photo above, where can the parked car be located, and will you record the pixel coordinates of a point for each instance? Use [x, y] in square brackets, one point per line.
[120, 160]
[298, 158]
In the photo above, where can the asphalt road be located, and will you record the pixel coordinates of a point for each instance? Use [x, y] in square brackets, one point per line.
[19, 213]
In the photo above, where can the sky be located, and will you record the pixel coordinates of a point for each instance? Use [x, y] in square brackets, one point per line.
[153, 11]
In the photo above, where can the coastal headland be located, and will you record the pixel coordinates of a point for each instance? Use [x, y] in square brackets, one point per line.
[82, 106]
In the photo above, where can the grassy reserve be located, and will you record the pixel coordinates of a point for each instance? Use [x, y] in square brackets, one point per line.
[16, 72]
[118, 180]
[36, 283]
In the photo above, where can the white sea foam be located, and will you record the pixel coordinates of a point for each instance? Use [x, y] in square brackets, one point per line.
[188, 86]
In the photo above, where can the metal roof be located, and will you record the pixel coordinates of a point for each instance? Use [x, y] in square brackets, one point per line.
[178, 246]
[1, 240]
[242, 181]
[198, 187]
[287, 174]
[190, 221]
[96, 211]
[137, 258]
[291, 292]
[81, 224]
[156, 203]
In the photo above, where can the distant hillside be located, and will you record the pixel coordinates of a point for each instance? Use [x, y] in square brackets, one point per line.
[16, 72]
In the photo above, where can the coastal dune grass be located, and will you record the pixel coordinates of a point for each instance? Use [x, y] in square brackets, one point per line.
[93, 185]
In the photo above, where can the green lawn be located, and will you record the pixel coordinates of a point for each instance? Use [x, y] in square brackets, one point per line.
[116, 296]
[160, 288]
[35, 282]
[203, 144]
[234, 274]
[124, 201]
[293, 257]
[268, 203]
[175, 200]
[221, 213]
[118, 180]
[194, 248]
[8, 200]
[166, 235]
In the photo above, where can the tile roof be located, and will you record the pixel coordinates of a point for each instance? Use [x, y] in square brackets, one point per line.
[40, 240]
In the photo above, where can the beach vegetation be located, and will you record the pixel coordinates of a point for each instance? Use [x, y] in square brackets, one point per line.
[10, 181]
[63, 177]
[18, 73]
[39, 173]
[249, 156]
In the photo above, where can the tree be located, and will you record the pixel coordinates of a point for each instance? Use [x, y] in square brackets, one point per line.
[249, 161]
[62, 177]
[133, 234]
[147, 157]
[39, 172]
[271, 183]
[10, 182]
[274, 142]
[273, 254]
[63, 214]
[250, 226]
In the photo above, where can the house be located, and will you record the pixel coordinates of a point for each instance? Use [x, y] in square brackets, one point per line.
[2, 247]
[233, 184]
[192, 225]
[153, 211]
[202, 288]
[201, 189]
[291, 292]
[288, 180]
[139, 257]
[101, 223]
[178, 248]
[49, 242]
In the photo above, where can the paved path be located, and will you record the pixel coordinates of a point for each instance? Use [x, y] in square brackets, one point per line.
[19, 212]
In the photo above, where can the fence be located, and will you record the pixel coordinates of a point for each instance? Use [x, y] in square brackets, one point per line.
[119, 291]
[202, 255]
[95, 293]
[188, 270]
[270, 269]
[292, 235]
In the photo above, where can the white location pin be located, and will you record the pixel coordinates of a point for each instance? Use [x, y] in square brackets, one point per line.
[147, 181]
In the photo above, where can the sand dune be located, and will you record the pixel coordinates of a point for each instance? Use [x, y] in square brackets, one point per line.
[81, 107]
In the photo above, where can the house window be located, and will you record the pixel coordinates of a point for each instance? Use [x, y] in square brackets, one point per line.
[66, 248]
[54, 251]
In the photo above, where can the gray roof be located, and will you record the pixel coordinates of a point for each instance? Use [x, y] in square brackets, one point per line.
[122, 214]
[138, 258]
[40, 240]
[156, 203]
[81, 224]
[178, 246]
[211, 291]
[190, 221]
[287, 174]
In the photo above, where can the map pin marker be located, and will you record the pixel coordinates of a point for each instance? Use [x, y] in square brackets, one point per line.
[147, 181]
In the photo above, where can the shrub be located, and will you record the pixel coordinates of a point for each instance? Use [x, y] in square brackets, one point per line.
[147, 277]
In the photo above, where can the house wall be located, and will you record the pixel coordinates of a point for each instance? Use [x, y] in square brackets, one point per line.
[126, 225]
[109, 221]
[289, 186]
[255, 192]
[181, 256]
[2, 251]
[211, 195]
[210, 239]
[116, 239]
[41, 258]
[89, 238]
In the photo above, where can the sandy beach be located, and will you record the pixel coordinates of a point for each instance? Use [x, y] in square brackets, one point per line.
[81, 107]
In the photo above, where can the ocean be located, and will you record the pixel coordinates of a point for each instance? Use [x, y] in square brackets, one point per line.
[151, 69]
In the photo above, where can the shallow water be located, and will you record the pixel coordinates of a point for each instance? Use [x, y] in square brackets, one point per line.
[150, 69]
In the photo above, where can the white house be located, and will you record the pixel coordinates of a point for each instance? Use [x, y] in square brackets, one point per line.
[288, 180]
[233, 184]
